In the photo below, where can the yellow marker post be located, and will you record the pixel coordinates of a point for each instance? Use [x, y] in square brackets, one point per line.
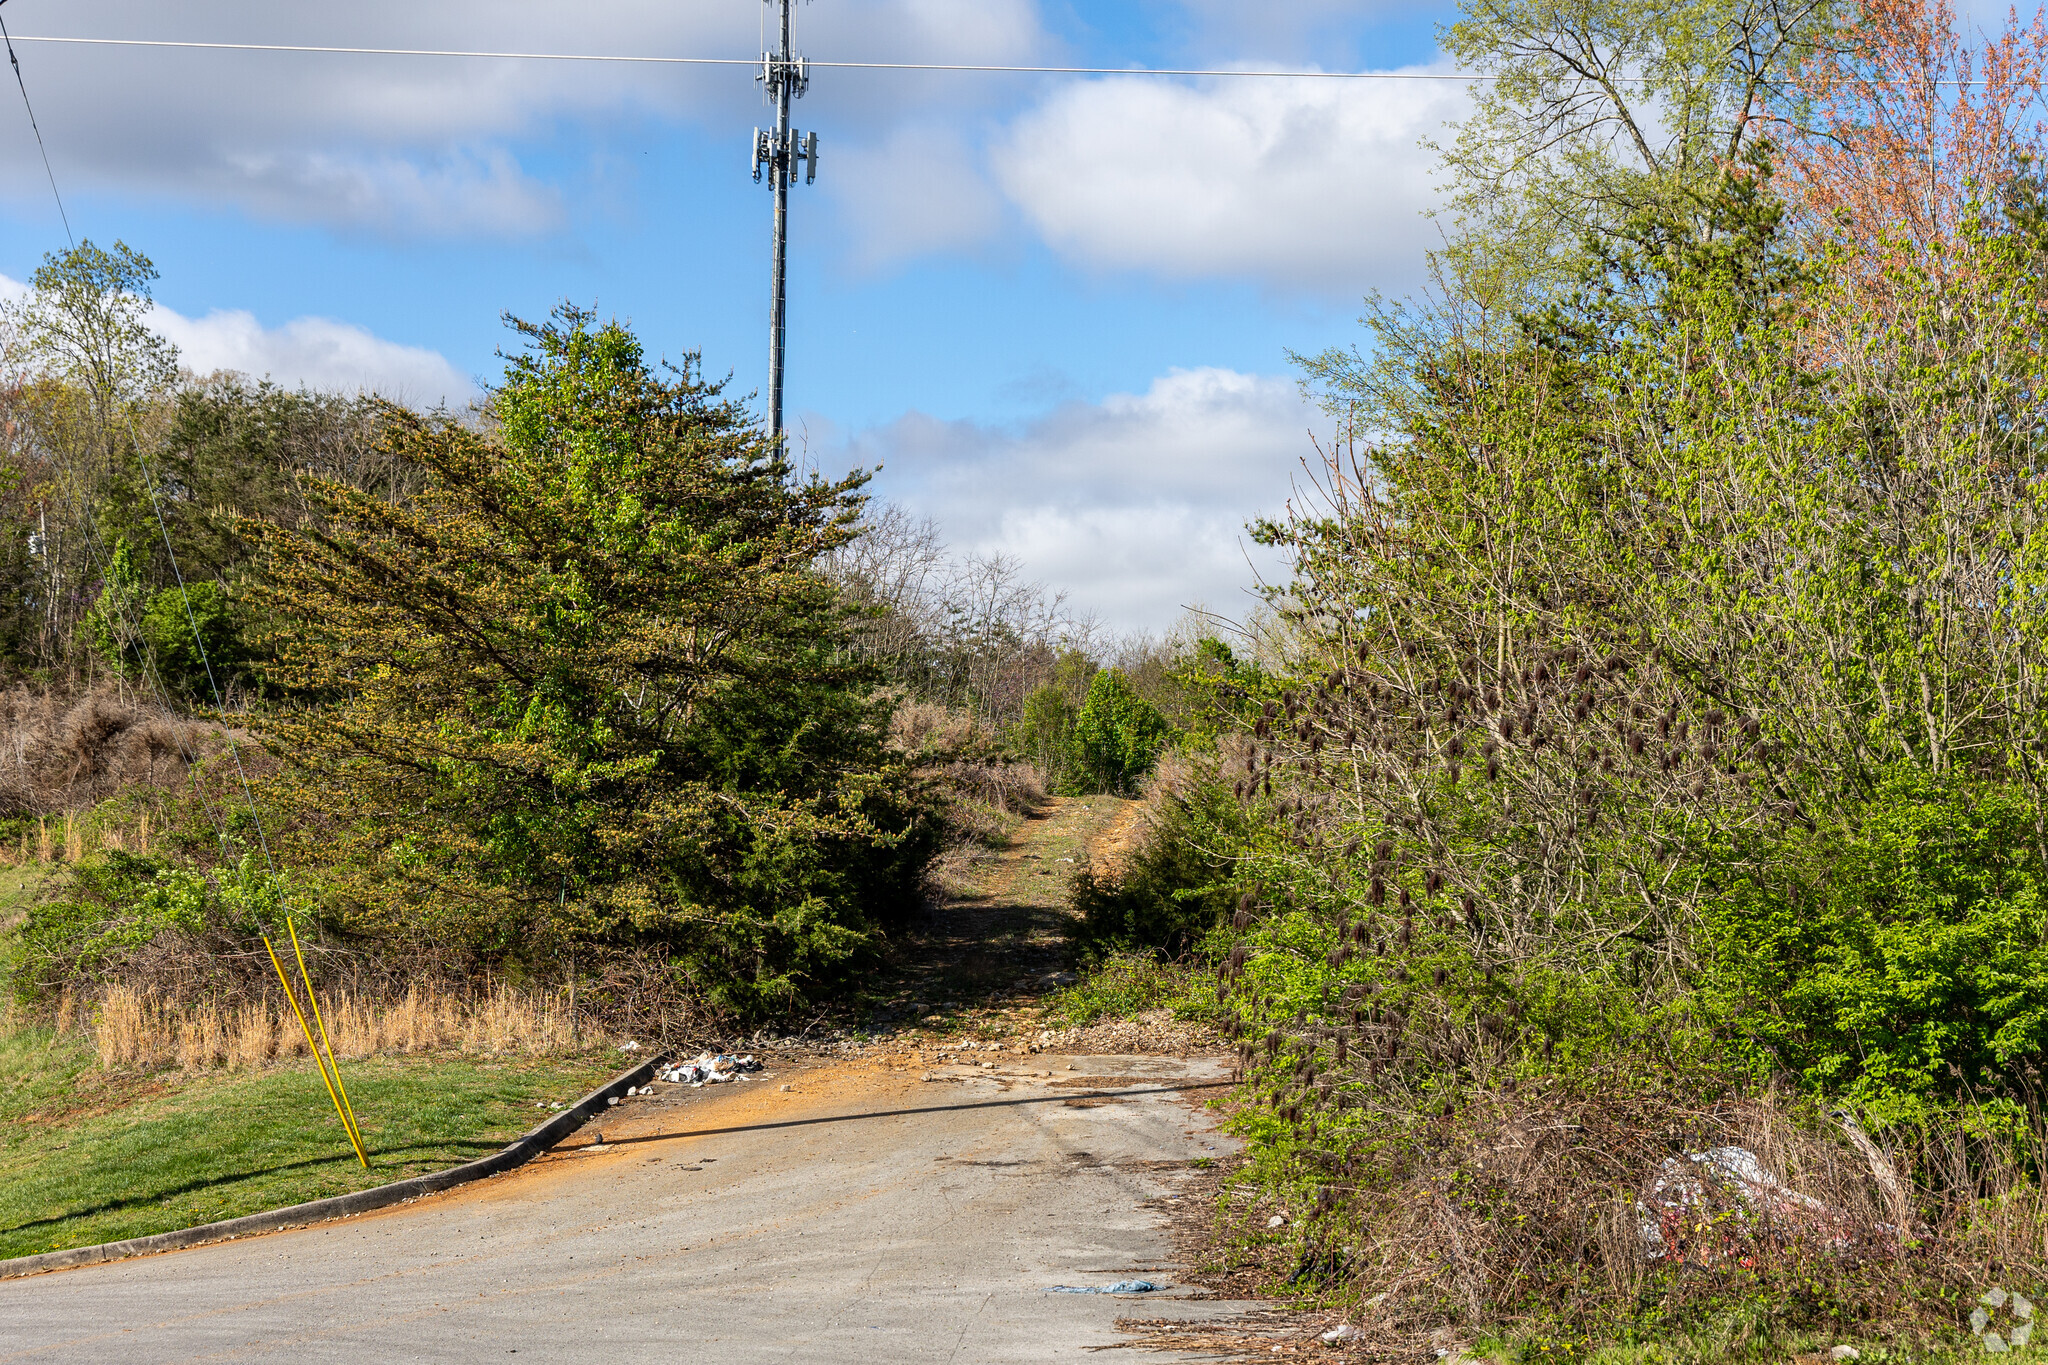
[314, 1048]
[354, 1130]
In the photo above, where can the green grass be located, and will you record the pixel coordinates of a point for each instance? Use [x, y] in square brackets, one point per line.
[86, 1157]
[1124, 985]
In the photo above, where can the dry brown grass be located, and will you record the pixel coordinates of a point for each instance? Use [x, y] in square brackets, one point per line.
[1543, 1206]
[137, 1032]
[71, 838]
[65, 751]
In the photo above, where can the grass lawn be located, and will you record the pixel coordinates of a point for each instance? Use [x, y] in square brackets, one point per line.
[86, 1157]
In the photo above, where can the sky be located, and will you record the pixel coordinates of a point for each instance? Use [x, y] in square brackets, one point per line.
[1054, 312]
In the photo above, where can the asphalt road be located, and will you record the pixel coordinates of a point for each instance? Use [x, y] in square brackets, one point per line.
[866, 1214]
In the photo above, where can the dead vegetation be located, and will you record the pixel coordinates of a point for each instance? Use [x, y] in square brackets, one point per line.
[64, 752]
[982, 793]
[1545, 1212]
[134, 1031]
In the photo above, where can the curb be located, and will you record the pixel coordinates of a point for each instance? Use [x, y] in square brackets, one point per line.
[520, 1151]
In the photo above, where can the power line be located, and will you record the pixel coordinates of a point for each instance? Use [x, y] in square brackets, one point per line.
[844, 66]
[16, 63]
[756, 61]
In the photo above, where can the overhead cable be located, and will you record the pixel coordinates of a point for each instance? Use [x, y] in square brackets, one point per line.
[643, 60]
[16, 63]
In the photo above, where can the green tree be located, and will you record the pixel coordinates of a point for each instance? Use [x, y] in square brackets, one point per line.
[1044, 735]
[1117, 735]
[588, 684]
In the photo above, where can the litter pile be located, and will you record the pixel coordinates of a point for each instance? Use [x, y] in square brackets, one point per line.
[708, 1069]
[1120, 1287]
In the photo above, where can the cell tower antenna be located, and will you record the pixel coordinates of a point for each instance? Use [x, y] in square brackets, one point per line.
[779, 152]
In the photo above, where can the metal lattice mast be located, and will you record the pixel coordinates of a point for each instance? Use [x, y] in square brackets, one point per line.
[784, 77]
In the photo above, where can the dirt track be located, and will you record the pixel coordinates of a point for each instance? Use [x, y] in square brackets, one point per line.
[865, 1214]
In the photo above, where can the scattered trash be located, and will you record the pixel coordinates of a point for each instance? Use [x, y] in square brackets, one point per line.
[1691, 1181]
[1342, 1332]
[1276, 1221]
[709, 1068]
[1845, 1353]
[629, 1046]
[1120, 1287]
[787, 1087]
[611, 1100]
[2019, 1332]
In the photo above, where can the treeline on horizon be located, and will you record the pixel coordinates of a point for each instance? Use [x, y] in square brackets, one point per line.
[584, 679]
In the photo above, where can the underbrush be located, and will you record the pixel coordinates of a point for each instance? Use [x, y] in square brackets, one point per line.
[981, 793]
[1125, 985]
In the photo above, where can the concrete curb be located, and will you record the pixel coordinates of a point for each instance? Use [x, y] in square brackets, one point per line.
[520, 1151]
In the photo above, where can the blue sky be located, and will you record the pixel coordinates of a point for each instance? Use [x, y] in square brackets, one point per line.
[1055, 309]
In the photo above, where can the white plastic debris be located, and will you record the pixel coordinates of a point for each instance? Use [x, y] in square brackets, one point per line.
[709, 1068]
[1342, 1332]
[1685, 1183]
[629, 1046]
[1845, 1353]
[1276, 1221]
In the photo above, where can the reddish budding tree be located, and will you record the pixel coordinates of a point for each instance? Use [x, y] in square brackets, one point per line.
[1910, 124]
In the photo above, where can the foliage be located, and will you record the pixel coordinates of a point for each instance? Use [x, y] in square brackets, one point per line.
[1124, 985]
[152, 636]
[1044, 734]
[1176, 888]
[1909, 959]
[1117, 736]
[111, 911]
[588, 685]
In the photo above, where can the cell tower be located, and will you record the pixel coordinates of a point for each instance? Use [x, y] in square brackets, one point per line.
[779, 152]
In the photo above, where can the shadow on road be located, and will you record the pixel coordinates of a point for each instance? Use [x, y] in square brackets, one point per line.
[925, 1109]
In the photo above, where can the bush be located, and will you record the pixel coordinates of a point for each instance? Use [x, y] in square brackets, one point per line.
[1903, 965]
[1172, 891]
[588, 690]
[1117, 736]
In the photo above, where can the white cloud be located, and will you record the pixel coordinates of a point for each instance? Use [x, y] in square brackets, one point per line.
[319, 353]
[1316, 183]
[420, 145]
[919, 191]
[1135, 505]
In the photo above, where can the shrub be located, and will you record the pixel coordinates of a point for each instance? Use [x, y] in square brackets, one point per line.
[1172, 891]
[1117, 736]
[1903, 964]
[588, 689]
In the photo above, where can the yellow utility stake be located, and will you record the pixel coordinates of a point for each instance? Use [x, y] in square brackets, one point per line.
[354, 1129]
[313, 1048]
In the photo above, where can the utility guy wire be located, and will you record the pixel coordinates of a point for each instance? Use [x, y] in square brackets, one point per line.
[15, 62]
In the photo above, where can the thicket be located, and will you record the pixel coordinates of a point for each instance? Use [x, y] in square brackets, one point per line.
[1657, 765]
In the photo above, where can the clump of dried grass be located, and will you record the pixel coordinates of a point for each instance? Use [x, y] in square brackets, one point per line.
[133, 1030]
[64, 751]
